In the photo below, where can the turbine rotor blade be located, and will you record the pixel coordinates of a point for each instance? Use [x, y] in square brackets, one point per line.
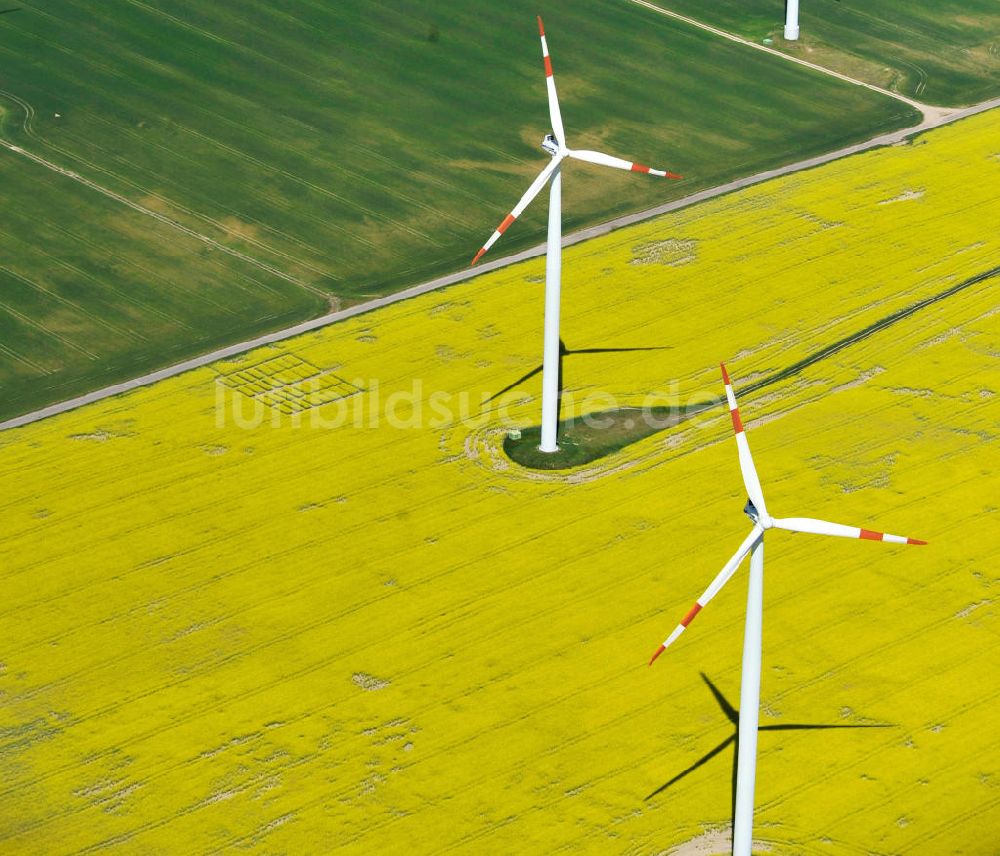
[822, 527]
[619, 163]
[555, 117]
[720, 580]
[518, 209]
[750, 479]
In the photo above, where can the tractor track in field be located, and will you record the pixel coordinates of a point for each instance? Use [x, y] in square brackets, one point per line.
[938, 118]
[163, 218]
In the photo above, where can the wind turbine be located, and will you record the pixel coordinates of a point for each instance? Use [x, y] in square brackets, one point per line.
[750, 681]
[791, 20]
[555, 145]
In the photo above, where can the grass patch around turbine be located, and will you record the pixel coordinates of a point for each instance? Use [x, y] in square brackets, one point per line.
[583, 439]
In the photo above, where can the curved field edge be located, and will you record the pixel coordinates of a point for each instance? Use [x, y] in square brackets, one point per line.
[942, 53]
[367, 632]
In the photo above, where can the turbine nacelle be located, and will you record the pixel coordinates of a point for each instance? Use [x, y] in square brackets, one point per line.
[762, 520]
[551, 145]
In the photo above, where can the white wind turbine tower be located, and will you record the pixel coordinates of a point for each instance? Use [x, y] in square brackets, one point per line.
[791, 20]
[555, 145]
[746, 760]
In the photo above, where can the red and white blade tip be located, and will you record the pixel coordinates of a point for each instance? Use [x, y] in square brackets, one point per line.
[825, 527]
[556, 119]
[680, 628]
[870, 535]
[477, 257]
[664, 173]
[734, 412]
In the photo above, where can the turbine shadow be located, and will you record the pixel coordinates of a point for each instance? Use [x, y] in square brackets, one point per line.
[567, 352]
[7, 11]
[810, 359]
[733, 716]
[865, 333]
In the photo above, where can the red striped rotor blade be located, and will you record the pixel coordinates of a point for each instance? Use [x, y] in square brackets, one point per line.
[720, 580]
[518, 209]
[823, 527]
[747, 468]
[555, 116]
[619, 163]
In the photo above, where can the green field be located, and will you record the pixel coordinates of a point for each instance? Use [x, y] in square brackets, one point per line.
[938, 51]
[355, 147]
[91, 291]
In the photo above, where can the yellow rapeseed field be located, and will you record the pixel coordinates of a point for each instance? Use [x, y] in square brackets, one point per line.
[348, 624]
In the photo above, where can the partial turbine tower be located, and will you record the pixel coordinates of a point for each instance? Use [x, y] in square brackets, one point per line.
[791, 20]
[756, 510]
[555, 145]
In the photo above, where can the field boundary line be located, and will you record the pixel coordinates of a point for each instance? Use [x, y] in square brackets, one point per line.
[928, 111]
[887, 139]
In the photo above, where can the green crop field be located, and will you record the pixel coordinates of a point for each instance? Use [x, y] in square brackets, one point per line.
[353, 147]
[90, 289]
[939, 51]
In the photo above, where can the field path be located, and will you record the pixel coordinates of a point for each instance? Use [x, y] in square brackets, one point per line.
[142, 209]
[938, 118]
[931, 113]
[156, 215]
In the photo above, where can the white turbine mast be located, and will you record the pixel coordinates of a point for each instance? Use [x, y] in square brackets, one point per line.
[756, 510]
[555, 145]
[791, 20]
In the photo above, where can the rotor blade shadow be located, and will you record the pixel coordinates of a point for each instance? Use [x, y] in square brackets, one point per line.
[797, 726]
[617, 350]
[733, 716]
[566, 352]
[523, 379]
[704, 759]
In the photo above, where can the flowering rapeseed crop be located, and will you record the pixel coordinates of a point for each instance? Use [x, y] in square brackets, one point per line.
[297, 602]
